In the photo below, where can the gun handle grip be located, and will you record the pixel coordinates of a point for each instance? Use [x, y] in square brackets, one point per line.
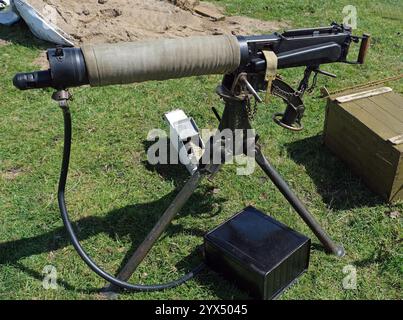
[365, 43]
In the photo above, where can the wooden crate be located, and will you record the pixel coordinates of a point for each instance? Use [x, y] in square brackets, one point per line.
[365, 129]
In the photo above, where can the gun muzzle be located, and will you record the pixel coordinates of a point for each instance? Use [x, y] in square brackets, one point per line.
[33, 80]
[123, 63]
[66, 69]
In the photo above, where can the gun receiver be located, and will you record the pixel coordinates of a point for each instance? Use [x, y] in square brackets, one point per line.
[310, 48]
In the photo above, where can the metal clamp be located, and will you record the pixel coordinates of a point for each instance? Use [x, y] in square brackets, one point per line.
[62, 97]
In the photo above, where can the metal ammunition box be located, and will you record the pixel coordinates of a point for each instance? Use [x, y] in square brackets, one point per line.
[365, 129]
[258, 253]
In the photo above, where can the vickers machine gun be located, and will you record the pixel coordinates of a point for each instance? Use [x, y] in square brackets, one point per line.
[249, 65]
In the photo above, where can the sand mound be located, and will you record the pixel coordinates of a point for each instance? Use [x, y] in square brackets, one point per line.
[185, 4]
[96, 21]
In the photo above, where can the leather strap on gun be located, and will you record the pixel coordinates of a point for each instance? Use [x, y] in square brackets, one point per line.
[271, 71]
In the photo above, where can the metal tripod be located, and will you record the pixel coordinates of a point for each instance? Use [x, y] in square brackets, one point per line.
[235, 117]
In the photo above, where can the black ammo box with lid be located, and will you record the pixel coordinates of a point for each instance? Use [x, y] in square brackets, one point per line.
[258, 253]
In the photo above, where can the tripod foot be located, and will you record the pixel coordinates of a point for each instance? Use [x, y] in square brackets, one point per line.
[339, 252]
[109, 292]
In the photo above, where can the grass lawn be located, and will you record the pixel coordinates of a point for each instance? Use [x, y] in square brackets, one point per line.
[115, 197]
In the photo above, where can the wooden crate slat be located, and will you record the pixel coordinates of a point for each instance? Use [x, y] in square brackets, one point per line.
[368, 120]
[385, 119]
[396, 106]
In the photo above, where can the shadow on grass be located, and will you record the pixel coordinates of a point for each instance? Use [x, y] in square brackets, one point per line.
[21, 35]
[134, 221]
[339, 187]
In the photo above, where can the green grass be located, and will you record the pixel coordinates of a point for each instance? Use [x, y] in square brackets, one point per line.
[115, 197]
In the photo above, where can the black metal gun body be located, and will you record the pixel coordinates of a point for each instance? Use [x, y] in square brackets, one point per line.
[307, 48]
[297, 48]
[295, 52]
[310, 47]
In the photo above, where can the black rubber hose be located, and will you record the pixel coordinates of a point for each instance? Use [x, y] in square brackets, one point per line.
[67, 223]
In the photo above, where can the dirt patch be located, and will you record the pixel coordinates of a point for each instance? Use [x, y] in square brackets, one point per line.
[99, 21]
[4, 42]
[11, 174]
[42, 61]
[393, 214]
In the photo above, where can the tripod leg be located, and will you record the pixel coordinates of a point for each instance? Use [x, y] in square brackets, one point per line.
[279, 182]
[158, 229]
